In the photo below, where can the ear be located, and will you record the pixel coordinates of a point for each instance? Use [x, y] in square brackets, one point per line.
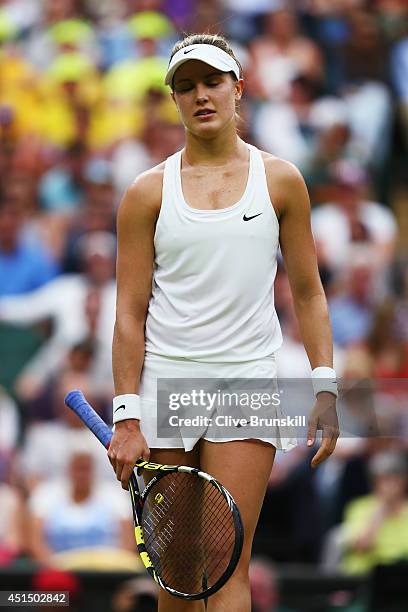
[239, 89]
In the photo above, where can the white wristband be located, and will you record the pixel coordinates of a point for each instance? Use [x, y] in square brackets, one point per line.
[126, 406]
[324, 379]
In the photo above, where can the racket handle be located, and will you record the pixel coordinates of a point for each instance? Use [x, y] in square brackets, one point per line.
[77, 402]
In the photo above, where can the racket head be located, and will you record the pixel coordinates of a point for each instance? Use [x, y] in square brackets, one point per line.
[188, 530]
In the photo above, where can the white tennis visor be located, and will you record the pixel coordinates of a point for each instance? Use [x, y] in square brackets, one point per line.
[209, 54]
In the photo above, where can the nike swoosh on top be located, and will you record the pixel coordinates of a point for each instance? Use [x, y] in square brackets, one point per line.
[245, 218]
[119, 407]
[188, 51]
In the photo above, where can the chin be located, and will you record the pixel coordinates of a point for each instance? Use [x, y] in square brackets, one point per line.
[207, 131]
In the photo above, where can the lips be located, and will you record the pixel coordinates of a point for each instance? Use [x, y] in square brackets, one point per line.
[204, 111]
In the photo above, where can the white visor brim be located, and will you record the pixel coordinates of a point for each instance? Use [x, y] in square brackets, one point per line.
[209, 54]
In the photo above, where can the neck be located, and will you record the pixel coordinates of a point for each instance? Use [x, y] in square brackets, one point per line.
[217, 151]
[79, 495]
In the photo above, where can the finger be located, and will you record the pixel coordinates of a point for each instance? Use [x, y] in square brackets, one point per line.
[326, 448]
[126, 474]
[329, 449]
[119, 469]
[322, 453]
[311, 432]
[333, 444]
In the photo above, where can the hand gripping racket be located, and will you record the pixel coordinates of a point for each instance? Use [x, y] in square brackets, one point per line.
[188, 528]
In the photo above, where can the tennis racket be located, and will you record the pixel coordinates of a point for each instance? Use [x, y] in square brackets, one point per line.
[188, 528]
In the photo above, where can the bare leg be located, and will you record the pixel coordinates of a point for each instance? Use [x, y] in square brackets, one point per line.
[176, 456]
[243, 467]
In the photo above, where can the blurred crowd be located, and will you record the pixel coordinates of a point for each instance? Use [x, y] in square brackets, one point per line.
[83, 110]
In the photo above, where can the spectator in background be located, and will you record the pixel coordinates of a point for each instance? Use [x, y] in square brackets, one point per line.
[375, 527]
[279, 54]
[52, 429]
[66, 514]
[351, 308]
[384, 354]
[365, 65]
[45, 40]
[97, 214]
[131, 79]
[24, 265]
[19, 109]
[113, 36]
[365, 50]
[286, 128]
[21, 186]
[241, 18]
[352, 218]
[69, 91]
[76, 368]
[310, 130]
[61, 188]
[80, 305]
[161, 136]
[383, 359]
[333, 142]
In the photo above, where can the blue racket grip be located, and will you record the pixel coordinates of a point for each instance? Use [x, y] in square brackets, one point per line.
[77, 402]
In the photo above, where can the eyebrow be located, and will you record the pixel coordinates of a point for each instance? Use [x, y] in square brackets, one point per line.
[210, 74]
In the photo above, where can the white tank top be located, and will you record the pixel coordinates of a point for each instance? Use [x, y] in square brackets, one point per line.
[212, 294]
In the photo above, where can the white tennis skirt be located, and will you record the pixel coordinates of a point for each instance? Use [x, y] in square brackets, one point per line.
[159, 367]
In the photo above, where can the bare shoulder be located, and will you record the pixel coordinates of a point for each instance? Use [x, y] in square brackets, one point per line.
[143, 197]
[286, 184]
[281, 169]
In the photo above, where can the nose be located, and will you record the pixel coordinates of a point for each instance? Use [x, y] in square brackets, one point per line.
[201, 92]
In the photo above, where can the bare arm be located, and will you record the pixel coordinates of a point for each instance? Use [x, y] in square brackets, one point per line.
[298, 249]
[136, 225]
[289, 195]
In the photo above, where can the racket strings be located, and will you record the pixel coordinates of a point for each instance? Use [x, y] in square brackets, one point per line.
[189, 531]
[178, 569]
[171, 569]
[214, 538]
[218, 543]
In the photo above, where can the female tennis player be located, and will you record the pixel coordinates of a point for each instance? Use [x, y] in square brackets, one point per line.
[197, 244]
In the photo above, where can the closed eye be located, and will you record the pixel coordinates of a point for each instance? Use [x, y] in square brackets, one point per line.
[183, 88]
[188, 87]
